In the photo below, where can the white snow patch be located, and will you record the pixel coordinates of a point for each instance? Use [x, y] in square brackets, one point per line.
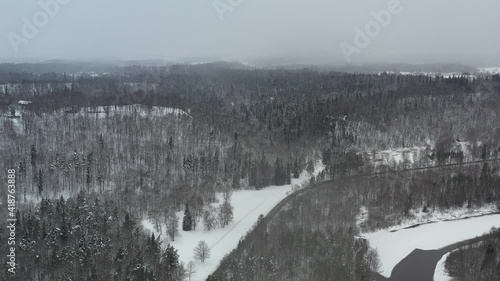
[465, 147]
[16, 121]
[248, 206]
[392, 247]
[490, 70]
[417, 216]
[396, 155]
[140, 110]
[30, 197]
[435, 74]
[362, 217]
[440, 273]
[18, 127]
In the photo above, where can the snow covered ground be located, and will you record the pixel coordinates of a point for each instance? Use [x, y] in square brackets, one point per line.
[141, 110]
[395, 156]
[394, 246]
[416, 154]
[440, 273]
[248, 205]
[17, 123]
[490, 70]
[437, 215]
[434, 74]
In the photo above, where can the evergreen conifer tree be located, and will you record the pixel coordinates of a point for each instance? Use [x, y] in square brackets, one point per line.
[187, 221]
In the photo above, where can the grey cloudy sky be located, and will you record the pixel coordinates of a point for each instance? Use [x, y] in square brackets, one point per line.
[425, 31]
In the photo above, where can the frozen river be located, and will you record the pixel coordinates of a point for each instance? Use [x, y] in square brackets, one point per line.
[423, 246]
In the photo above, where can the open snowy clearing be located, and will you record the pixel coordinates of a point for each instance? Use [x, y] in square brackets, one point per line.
[394, 246]
[395, 156]
[412, 155]
[248, 205]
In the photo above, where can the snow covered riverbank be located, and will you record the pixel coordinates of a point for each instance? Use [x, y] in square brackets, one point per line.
[440, 273]
[418, 217]
[394, 246]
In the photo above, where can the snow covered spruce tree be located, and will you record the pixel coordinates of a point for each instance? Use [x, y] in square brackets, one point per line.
[281, 173]
[187, 221]
[139, 270]
[171, 268]
[225, 213]
[296, 169]
[202, 251]
[226, 209]
[310, 167]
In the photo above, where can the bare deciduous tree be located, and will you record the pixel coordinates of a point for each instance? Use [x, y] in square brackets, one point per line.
[202, 251]
[172, 223]
[210, 218]
[191, 269]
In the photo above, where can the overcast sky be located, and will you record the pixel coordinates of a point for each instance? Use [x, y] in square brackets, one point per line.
[462, 31]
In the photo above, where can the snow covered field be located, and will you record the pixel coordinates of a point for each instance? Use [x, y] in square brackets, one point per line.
[248, 205]
[394, 246]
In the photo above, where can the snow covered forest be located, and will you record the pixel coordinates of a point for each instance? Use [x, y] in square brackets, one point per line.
[478, 261]
[97, 155]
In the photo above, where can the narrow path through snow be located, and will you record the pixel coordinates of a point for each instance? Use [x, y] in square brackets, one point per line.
[238, 222]
[248, 206]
